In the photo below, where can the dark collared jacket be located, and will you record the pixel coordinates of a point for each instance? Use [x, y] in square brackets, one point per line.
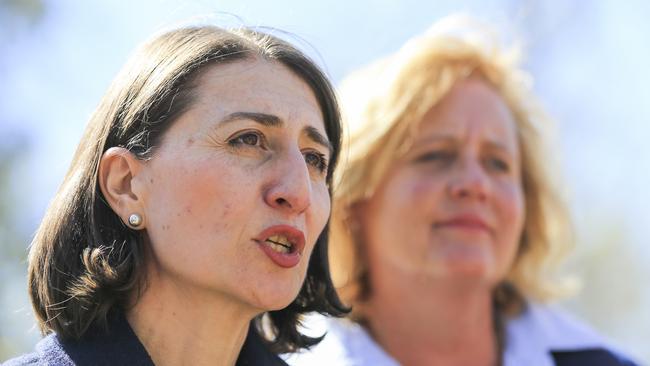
[121, 347]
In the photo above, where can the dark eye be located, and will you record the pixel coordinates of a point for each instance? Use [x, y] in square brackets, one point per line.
[247, 138]
[316, 160]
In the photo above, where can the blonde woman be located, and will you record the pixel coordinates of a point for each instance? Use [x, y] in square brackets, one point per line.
[446, 223]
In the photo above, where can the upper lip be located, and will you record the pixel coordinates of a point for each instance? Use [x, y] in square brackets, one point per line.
[296, 237]
[468, 220]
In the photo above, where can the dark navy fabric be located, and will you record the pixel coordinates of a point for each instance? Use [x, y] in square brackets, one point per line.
[122, 347]
[590, 357]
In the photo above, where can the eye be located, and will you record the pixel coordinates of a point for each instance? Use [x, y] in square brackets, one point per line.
[435, 156]
[249, 138]
[498, 164]
[316, 160]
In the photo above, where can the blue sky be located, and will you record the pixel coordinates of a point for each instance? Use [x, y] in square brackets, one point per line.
[589, 61]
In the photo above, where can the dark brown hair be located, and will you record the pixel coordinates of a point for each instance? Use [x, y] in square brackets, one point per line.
[84, 263]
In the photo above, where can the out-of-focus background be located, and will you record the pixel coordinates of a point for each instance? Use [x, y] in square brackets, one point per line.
[589, 60]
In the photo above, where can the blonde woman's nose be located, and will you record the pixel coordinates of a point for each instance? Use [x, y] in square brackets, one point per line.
[469, 180]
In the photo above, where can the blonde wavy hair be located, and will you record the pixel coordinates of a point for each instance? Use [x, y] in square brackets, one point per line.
[383, 105]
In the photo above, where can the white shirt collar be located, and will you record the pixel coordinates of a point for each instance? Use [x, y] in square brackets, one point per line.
[541, 329]
[529, 339]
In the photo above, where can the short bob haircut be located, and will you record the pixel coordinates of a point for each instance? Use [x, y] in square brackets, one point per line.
[383, 105]
[84, 263]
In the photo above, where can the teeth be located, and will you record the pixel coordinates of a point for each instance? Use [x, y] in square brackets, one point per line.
[280, 239]
[280, 243]
[279, 248]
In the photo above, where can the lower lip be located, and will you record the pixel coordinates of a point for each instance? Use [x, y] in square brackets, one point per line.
[284, 260]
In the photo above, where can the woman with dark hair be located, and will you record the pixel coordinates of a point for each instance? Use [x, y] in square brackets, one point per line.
[189, 228]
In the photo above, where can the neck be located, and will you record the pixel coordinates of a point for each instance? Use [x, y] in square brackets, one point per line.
[183, 326]
[423, 321]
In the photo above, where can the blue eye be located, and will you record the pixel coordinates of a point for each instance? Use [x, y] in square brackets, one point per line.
[316, 160]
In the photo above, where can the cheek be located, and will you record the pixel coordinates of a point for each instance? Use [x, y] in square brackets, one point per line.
[191, 199]
[399, 209]
[411, 195]
[511, 208]
[424, 187]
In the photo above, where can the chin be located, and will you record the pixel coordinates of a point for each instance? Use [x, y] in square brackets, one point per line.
[469, 270]
[275, 297]
[275, 304]
[466, 260]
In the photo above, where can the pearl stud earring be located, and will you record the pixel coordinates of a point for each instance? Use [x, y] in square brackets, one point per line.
[135, 220]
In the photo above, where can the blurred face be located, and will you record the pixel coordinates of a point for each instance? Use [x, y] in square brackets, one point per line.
[453, 206]
[235, 195]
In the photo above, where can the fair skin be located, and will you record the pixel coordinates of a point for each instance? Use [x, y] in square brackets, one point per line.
[233, 200]
[441, 232]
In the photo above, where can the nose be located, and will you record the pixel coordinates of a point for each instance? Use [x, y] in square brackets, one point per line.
[469, 181]
[290, 186]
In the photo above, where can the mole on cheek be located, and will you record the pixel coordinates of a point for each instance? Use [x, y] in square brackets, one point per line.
[190, 141]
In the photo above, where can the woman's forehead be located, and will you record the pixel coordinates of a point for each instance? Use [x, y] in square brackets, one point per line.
[471, 106]
[258, 85]
[261, 92]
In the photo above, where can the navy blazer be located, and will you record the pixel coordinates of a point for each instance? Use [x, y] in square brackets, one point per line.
[122, 347]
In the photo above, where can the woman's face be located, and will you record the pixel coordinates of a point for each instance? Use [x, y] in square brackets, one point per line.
[235, 195]
[453, 206]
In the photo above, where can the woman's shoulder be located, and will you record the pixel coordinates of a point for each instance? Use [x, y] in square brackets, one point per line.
[548, 335]
[109, 350]
[47, 352]
[30, 359]
[345, 344]
[116, 346]
[121, 346]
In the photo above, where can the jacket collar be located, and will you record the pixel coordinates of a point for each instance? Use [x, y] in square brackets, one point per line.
[121, 346]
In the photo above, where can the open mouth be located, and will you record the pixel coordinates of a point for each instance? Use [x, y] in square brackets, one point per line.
[280, 244]
[283, 244]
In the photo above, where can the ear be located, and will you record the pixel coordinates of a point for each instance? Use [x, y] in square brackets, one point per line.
[117, 169]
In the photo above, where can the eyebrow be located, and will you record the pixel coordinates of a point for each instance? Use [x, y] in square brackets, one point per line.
[275, 121]
[449, 139]
[499, 146]
[313, 134]
[261, 118]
